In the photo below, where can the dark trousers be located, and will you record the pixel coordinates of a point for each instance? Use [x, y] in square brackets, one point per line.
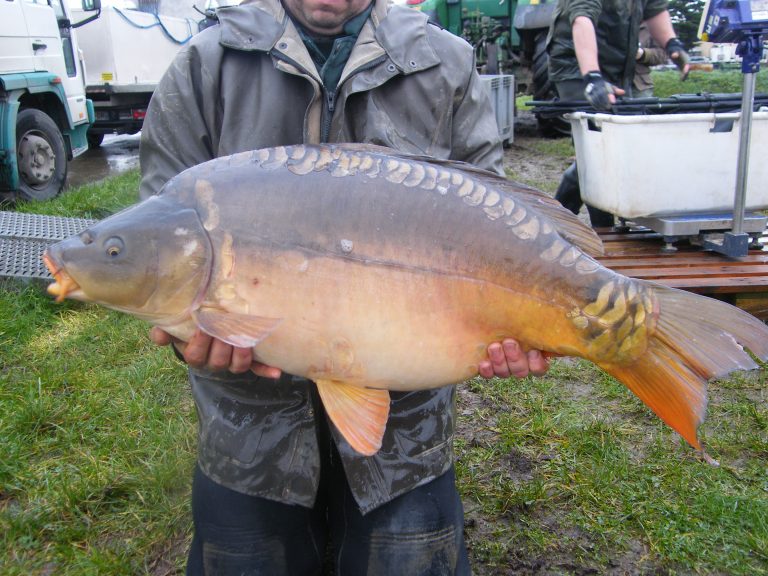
[417, 533]
[568, 192]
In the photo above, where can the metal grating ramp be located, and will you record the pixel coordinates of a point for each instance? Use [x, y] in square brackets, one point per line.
[24, 238]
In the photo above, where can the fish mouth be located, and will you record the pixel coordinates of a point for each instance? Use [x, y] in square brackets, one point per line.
[63, 284]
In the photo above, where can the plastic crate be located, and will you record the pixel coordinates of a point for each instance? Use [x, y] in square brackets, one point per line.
[643, 166]
[501, 88]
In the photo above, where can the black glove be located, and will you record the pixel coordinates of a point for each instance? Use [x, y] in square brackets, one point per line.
[597, 90]
[675, 46]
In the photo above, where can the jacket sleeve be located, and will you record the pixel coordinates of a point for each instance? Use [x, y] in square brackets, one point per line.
[475, 137]
[178, 128]
[654, 56]
[654, 7]
[589, 8]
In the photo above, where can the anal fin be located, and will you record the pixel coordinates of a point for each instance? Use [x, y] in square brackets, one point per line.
[360, 414]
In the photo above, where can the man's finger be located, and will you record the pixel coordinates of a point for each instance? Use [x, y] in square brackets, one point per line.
[160, 336]
[241, 361]
[517, 360]
[219, 355]
[497, 356]
[485, 369]
[196, 351]
[538, 363]
[265, 371]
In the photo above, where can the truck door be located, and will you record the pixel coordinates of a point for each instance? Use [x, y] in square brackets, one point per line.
[16, 54]
[54, 48]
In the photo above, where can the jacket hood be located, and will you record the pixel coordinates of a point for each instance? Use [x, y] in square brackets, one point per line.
[259, 25]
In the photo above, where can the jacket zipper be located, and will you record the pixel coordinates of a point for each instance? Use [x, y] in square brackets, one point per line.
[330, 99]
[330, 107]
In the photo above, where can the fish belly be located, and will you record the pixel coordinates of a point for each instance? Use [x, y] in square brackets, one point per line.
[381, 326]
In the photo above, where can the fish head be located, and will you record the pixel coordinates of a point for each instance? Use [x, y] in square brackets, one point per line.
[151, 260]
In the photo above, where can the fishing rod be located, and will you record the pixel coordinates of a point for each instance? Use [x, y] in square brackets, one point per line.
[703, 102]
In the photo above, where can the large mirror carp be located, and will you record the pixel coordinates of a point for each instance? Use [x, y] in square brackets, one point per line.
[366, 271]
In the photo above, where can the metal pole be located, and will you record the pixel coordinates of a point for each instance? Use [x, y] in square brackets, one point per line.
[745, 131]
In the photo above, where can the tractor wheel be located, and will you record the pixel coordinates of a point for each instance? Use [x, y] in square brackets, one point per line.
[41, 155]
[543, 89]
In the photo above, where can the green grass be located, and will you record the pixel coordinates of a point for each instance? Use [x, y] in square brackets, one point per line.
[561, 148]
[97, 431]
[576, 467]
[96, 200]
[97, 428]
[569, 473]
[667, 82]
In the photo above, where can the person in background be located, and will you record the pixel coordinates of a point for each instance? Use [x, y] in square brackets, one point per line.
[274, 482]
[592, 48]
[648, 54]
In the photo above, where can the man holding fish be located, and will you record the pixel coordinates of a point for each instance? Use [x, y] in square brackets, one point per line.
[274, 480]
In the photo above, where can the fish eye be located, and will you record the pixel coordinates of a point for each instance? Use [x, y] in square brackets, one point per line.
[113, 247]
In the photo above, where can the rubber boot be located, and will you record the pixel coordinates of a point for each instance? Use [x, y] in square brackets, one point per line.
[568, 193]
[600, 219]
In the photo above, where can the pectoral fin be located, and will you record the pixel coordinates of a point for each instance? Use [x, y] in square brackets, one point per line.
[360, 414]
[242, 330]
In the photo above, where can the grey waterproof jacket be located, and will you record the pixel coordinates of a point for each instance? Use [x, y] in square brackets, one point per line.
[616, 22]
[250, 83]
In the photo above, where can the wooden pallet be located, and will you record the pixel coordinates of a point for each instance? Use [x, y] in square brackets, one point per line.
[639, 253]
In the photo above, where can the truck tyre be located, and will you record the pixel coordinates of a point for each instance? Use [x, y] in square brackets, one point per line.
[41, 155]
[543, 89]
[94, 140]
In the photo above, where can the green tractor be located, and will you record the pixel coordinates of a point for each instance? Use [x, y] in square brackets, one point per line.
[509, 37]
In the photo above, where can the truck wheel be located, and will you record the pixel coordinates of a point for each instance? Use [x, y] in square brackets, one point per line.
[543, 89]
[94, 140]
[42, 157]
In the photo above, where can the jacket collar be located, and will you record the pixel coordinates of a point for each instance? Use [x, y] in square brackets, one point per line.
[258, 25]
[403, 35]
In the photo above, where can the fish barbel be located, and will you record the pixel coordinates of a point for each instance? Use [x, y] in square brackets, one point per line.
[366, 271]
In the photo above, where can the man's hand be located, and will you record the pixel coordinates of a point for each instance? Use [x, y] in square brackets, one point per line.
[600, 93]
[205, 352]
[507, 359]
[678, 55]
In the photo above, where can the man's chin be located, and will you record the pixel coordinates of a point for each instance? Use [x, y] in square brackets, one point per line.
[326, 24]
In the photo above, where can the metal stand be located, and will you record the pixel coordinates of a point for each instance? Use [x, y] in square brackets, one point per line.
[709, 227]
[735, 242]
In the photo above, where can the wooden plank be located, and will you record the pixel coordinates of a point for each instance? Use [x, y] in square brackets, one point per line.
[717, 273]
[707, 286]
[638, 253]
[682, 260]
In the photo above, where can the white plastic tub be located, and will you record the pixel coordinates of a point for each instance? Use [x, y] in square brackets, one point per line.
[659, 165]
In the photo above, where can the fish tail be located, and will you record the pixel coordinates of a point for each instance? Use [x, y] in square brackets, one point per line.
[695, 339]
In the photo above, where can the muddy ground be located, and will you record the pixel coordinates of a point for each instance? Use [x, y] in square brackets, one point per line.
[526, 162]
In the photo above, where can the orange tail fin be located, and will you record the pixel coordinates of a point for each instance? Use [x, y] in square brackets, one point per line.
[696, 338]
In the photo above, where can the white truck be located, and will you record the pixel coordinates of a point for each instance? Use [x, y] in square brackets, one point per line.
[126, 52]
[44, 112]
